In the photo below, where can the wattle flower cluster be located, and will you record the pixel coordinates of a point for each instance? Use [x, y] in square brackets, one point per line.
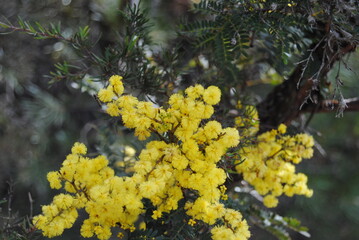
[92, 185]
[181, 165]
[269, 164]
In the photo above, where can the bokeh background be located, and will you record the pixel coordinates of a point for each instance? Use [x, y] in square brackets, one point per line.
[40, 121]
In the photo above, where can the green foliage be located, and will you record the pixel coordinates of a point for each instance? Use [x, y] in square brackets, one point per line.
[231, 28]
[38, 31]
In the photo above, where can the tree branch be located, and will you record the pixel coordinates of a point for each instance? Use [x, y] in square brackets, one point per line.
[351, 105]
[301, 91]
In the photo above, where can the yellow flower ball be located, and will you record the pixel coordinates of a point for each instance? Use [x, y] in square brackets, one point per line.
[116, 83]
[106, 94]
[212, 95]
[79, 148]
[270, 201]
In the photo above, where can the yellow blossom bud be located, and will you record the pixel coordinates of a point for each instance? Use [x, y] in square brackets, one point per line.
[63, 201]
[282, 128]
[212, 95]
[191, 222]
[117, 84]
[106, 95]
[270, 201]
[54, 180]
[79, 148]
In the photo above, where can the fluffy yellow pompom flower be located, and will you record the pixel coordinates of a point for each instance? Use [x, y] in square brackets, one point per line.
[195, 92]
[270, 201]
[117, 84]
[106, 94]
[212, 95]
[222, 232]
[212, 129]
[54, 180]
[87, 229]
[79, 148]
[64, 201]
[282, 128]
[148, 189]
[112, 109]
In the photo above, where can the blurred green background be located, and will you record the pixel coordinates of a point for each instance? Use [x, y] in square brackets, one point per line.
[39, 122]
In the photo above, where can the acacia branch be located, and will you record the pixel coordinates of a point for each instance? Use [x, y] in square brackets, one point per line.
[301, 91]
[30, 30]
[351, 105]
